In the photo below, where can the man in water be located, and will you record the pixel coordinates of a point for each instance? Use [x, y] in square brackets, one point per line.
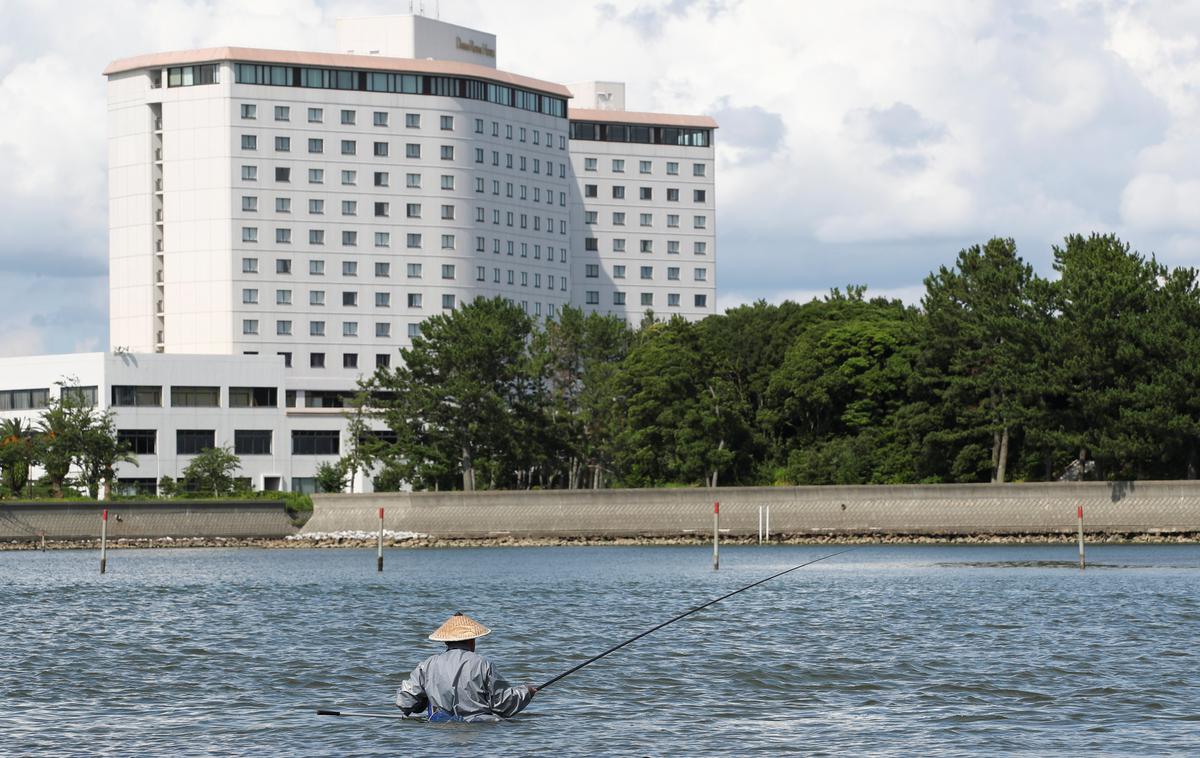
[457, 684]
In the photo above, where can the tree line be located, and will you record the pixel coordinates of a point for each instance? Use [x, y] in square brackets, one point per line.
[998, 375]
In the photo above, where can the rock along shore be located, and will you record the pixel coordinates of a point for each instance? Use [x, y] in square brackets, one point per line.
[416, 541]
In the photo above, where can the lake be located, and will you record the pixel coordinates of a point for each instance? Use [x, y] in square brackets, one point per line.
[887, 650]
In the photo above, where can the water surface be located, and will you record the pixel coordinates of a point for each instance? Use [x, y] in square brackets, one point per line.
[933, 650]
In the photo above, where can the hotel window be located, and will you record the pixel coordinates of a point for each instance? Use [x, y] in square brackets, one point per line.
[316, 236]
[249, 265]
[698, 196]
[414, 300]
[697, 169]
[618, 218]
[139, 441]
[672, 194]
[479, 126]
[447, 270]
[283, 113]
[381, 178]
[479, 155]
[447, 212]
[283, 174]
[350, 299]
[383, 329]
[250, 296]
[700, 248]
[316, 206]
[316, 115]
[316, 360]
[349, 268]
[447, 241]
[350, 239]
[316, 145]
[645, 193]
[283, 265]
[348, 117]
[447, 123]
[644, 167]
[249, 173]
[283, 144]
[316, 297]
[381, 149]
[673, 299]
[412, 181]
[448, 302]
[382, 360]
[381, 118]
[414, 330]
[618, 272]
[383, 300]
[381, 210]
[412, 210]
[618, 245]
[647, 219]
[193, 441]
[672, 221]
[618, 166]
[316, 328]
[283, 236]
[412, 120]
[701, 301]
[283, 205]
[646, 246]
[349, 328]
[383, 239]
[480, 273]
[283, 297]
[698, 222]
[196, 397]
[647, 272]
[249, 234]
[672, 168]
[249, 326]
[413, 270]
[591, 244]
[249, 142]
[383, 269]
[447, 181]
[592, 297]
[618, 192]
[592, 271]
[249, 110]
[447, 152]
[250, 203]
[590, 190]
[252, 441]
[413, 240]
[618, 298]
[522, 133]
[589, 217]
[349, 207]
[701, 274]
[350, 177]
[673, 273]
[647, 298]
[349, 147]
[412, 150]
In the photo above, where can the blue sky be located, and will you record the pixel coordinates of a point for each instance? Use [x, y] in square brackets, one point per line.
[861, 142]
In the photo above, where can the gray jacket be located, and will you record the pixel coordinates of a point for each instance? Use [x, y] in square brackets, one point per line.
[463, 684]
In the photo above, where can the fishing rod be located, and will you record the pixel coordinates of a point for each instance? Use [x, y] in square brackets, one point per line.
[361, 713]
[615, 648]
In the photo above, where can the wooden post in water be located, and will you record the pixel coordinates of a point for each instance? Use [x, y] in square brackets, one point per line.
[716, 535]
[43, 536]
[760, 523]
[379, 556]
[1081, 563]
[103, 540]
[768, 529]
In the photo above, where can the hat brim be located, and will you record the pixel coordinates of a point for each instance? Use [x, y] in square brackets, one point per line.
[461, 636]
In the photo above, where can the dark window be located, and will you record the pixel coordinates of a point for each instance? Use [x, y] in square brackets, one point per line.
[382, 360]
[253, 397]
[79, 396]
[316, 360]
[139, 441]
[252, 441]
[315, 442]
[20, 400]
[349, 360]
[192, 441]
[136, 395]
[283, 174]
[287, 359]
[195, 397]
[134, 486]
[327, 399]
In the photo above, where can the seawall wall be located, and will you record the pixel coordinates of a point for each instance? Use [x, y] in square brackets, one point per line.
[132, 520]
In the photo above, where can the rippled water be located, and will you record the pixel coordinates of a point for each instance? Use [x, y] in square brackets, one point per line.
[885, 650]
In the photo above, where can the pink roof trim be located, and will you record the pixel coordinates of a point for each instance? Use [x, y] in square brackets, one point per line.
[333, 60]
[632, 117]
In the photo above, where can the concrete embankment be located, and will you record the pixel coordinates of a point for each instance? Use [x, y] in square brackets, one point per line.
[948, 510]
[145, 520]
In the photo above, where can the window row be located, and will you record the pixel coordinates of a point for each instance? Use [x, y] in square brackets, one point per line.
[316, 145]
[151, 395]
[592, 297]
[591, 218]
[283, 236]
[592, 271]
[649, 135]
[245, 441]
[592, 245]
[644, 167]
[349, 117]
[644, 193]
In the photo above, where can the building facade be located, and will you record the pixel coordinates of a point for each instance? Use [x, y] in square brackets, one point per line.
[299, 214]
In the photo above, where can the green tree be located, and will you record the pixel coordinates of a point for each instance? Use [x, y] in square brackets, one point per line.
[462, 398]
[100, 451]
[16, 454]
[213, 470]
[331, 477]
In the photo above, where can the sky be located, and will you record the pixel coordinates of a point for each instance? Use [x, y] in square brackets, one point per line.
[859, 142]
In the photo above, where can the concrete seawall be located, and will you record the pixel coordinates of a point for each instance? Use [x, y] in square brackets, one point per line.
[947, 509]
[134, 520]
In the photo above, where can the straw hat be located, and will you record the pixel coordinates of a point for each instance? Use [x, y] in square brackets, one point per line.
[458, 628]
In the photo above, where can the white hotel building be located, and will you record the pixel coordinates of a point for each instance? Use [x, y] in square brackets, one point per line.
[284, 221]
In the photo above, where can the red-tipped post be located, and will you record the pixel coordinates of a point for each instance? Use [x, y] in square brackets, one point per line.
[716, 536]
[379, 555]
[1081, 562]
[103, 540]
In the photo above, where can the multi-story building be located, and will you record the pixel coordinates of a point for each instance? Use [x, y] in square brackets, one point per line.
[312, 209]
